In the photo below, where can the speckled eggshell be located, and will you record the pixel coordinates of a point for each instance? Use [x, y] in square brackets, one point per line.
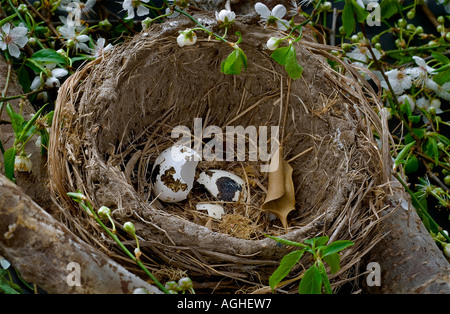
[223, 185]
[173, 173]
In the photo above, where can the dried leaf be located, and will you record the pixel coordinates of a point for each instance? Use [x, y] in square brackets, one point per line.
[280, 198]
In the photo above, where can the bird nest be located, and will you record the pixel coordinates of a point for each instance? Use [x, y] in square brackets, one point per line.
[115, 116]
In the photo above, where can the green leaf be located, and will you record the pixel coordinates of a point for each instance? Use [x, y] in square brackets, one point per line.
[25, 132]
[281, 55]
[286, 264]
[234, 63]
[335, 247]
[361, 14]
[286, 242]
[431, 148]
[388, 8]
[16, 120]
[293, 68]
[325, 279]
[348, 18]
[440, 57]
[9, 159]
[442, 77]
[288, 57]
[334, 261]
[48, 55]
[45, 138]
[403, 153]
[311, 282]
[412, 165]
[317, 242]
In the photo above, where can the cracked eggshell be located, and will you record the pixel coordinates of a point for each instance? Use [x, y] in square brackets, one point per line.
[215, 211]
[223, 185]
[173, 173]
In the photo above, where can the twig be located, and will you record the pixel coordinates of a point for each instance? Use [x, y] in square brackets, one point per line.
[23, 96]
[379, 65]
[5, 90]
[429, 14]
[48, 22]
[436, 179]
[333, 28]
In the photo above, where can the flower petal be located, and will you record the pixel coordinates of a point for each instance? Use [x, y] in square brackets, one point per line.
[141, 10]
[52, 82]
[82, 38]
[279, 11]
[14, 50]
[58, 72]
[6, 28]
[262, 9]
[36, 84]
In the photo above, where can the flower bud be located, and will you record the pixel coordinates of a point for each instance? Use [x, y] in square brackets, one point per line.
[137, 253]
[402, 23]
[186, 38]
[447, 249]
[185, 283]
[22, 163]
[105, 25]
[411, 14]
[104, 212]
[22, 8]
[129, 228]
[172, 286]
[273, 43]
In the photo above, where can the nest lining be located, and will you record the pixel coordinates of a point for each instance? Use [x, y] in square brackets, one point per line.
[113, 117]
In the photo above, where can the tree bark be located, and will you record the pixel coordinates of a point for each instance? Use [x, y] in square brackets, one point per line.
[409, 259]
[46, 253]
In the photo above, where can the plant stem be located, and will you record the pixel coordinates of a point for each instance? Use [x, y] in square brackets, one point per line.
[379, 65]
[201, 26]
[422, 210]
[88, 207]
[23, 96]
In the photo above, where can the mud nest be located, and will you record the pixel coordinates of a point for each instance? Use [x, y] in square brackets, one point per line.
[115, 116]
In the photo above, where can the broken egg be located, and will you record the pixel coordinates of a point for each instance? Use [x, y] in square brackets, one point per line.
[223, 185]
[173, 173]
[215, 211]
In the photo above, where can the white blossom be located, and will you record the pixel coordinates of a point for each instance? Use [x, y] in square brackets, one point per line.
[100, 49]
[22, 163]
[403, 98]
[399, 80]
[362, 54]
[4, 263]
[53, 76]
[13, 38]
[74, 39]
[273, 43]
[130, 5]
[186, 38]
[420, 73]
[273, 17]
[225, 16]
[78, 9]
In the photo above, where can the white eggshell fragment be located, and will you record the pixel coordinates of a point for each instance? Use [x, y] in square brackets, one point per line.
[215, 211]
[223, 185]
[173, 173]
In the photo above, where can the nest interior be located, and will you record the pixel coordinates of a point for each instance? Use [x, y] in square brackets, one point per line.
[114, 117]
